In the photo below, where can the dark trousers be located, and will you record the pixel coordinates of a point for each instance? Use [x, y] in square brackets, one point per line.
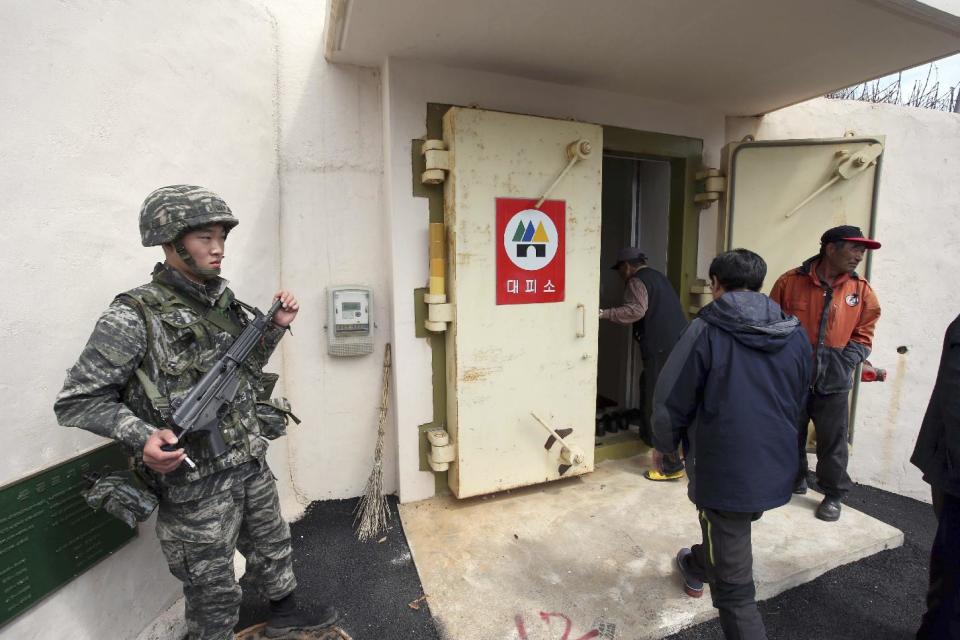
[725, 560]
[652, 366]
[942, 619]
[830, 414]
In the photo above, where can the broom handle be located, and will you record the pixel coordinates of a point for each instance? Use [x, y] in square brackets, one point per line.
[387, 363]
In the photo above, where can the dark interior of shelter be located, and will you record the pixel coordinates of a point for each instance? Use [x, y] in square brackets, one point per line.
[635, 212]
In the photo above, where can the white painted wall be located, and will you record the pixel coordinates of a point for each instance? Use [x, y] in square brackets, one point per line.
[333, 233]
[103, 102]
[917, 222]
[407, 88]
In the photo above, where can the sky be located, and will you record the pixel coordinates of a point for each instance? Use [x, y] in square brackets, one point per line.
[948, 70]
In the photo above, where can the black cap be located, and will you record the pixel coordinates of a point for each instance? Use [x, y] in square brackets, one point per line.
[848, 233]
[629, 254]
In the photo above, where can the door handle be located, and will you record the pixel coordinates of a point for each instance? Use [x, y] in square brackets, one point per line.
[581, 321]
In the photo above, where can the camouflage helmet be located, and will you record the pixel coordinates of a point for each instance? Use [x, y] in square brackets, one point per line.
[169, 212]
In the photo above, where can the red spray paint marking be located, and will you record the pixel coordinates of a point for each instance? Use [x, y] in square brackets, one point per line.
[520, 628]
[522, 631]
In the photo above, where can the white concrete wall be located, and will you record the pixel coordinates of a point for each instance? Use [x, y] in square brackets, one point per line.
[102, 102]
[918, 224]
[332, 233]
[407, 88]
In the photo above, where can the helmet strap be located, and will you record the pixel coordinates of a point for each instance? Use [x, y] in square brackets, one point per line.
[200, 272]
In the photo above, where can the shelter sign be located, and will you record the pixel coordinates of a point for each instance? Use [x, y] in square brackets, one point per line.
[530, 251]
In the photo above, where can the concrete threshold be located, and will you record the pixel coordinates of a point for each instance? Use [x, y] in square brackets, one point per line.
[592, 556]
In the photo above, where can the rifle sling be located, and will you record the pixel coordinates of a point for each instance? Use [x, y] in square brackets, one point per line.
[212, 315]
[159, 401]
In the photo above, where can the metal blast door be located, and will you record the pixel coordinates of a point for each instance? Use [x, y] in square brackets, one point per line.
[523, 283]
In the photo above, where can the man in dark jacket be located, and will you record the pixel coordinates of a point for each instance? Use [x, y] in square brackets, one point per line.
[937, 454]
[651, 305]
[733, 389]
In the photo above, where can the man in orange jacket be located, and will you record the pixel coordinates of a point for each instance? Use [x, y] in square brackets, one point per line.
[839, 312]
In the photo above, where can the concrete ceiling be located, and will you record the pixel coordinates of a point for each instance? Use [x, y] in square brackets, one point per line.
[741, 57]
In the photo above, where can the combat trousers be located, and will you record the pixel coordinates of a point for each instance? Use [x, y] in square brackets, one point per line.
[725, 560]
[652, 366]
[199, 537]
[830, 414]
[942, 619]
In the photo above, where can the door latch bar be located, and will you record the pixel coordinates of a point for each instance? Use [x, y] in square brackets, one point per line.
[570, 455]
[576, 151]
[850, 167]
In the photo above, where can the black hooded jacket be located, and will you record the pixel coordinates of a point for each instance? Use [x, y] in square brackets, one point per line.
[937, 452]
[732, 391]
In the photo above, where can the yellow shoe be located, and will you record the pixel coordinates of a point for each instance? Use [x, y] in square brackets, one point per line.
[657, 476]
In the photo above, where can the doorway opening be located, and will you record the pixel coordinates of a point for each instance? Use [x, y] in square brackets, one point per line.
[636, 206]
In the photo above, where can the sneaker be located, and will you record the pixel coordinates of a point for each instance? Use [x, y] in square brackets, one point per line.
[658, 476]
[286, 618]
[691, 585]
[829, 509]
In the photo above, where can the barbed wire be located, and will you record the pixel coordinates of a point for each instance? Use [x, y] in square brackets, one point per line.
[924, 94]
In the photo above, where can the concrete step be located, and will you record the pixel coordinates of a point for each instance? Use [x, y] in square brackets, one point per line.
[592, 556]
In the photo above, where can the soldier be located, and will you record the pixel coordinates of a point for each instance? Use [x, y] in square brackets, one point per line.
[147, 350]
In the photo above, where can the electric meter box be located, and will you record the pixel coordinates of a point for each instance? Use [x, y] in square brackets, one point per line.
[349, 320]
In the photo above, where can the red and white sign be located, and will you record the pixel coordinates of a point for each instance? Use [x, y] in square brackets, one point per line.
[530, 251]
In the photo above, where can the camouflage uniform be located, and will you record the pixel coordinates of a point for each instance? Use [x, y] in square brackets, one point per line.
[165, 334]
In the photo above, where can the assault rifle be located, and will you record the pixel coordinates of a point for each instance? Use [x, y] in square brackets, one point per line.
[203, 408]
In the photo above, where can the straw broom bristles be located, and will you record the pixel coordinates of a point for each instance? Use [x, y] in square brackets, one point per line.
[373, 511]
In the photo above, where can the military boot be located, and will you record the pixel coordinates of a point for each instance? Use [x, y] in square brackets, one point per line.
[286, 618]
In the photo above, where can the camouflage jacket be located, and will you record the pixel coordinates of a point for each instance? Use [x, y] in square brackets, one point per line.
[152, 329]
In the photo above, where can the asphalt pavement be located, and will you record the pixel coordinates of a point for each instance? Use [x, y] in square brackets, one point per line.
[375, 583]
[878, 598]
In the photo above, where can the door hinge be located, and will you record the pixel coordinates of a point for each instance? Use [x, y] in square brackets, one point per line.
[711, 183]
[442, 452]
[439, 315]
[700, 296]
[436, 160]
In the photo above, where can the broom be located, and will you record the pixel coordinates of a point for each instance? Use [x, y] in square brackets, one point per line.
[372, 511]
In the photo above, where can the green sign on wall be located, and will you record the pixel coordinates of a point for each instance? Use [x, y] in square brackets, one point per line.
[48, 534]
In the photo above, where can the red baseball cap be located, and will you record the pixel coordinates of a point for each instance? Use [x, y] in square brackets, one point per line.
[848, 233]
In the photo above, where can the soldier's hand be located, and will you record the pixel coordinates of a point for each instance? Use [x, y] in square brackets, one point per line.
[156, 458]
[288, 311]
